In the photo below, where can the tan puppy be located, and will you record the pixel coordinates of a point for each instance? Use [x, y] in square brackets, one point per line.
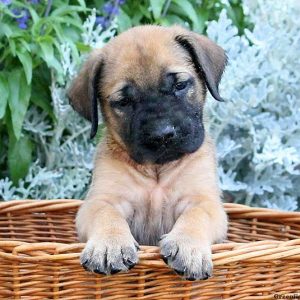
[155, 179]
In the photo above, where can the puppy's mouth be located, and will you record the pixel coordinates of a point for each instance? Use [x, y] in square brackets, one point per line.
[166, 149]
[162, 153]
[160, 156]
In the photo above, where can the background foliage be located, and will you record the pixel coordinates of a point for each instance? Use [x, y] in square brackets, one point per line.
[45, 151]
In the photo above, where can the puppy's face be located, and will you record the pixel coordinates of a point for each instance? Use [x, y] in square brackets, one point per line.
[151, 83]
[162, 120]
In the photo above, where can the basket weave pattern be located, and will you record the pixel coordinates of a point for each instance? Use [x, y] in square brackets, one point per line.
[39, 258]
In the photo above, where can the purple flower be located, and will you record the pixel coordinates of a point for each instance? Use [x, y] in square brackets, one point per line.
[104, 22]
[6, 2]
[34, 1]
[23, 25]
[110, 9]
[21, 16]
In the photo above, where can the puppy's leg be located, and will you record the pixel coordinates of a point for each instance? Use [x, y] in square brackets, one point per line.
[110, 246]
[187, 247]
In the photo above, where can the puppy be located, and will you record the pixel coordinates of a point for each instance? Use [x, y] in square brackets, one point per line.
[154, 180]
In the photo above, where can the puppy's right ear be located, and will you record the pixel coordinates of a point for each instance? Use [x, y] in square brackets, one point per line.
[208, 58]
[84, 92]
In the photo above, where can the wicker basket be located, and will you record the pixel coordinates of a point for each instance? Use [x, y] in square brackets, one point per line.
[39, 258]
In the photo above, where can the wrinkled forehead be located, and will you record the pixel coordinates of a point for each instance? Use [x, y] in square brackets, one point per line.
[142, 59]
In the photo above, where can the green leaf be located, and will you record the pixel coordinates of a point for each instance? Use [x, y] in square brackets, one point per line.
[157, 6]
[203, 15]
[19, 95]
[68, 9]
[35, 17]
[136, 18]
[4, 93]
[145, 11]
[19, 157]
[25, 45]
[83, 48]
[48, 56]
[39, 26]
[170, 19]
[5, 30]
[40, 93]
[69, 34]
[82, 3]
[12, 46]
[190, 12]
[45, 39]
[47, 50]
[124, 21]
[69, 20]
[26, 61]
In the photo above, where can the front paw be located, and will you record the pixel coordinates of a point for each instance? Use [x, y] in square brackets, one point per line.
[187, 256]
[109, 255]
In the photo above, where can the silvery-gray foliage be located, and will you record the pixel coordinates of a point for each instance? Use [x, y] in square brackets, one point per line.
[256, 130]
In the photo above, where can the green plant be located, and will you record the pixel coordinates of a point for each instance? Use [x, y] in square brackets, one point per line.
[192, 13]
[30, 35]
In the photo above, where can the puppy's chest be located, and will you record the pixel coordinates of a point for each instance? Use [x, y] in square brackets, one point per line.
[154, 215]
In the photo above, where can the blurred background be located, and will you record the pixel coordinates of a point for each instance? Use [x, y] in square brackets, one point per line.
[45, 150]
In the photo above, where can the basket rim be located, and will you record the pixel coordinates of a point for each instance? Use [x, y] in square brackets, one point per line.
[222, 254]
[235, 210]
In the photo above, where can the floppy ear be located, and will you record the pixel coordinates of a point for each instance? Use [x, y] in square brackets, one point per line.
[84, 92]
[208, 58]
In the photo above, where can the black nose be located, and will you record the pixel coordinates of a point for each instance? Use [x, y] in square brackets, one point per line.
[161, 135]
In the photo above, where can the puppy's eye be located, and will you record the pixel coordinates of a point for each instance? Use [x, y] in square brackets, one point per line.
[122, 103]
[181, 85]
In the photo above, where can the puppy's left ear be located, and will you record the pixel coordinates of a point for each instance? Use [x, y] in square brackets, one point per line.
[84, 92]
[208, 58]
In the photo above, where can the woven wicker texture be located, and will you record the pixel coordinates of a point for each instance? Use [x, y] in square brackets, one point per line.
[39, 258]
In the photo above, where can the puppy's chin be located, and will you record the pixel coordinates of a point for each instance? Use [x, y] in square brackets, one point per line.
[159, 158]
